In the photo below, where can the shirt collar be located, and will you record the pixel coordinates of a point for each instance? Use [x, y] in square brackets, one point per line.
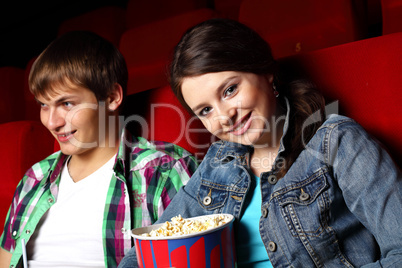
[56, 167]
[126, 140]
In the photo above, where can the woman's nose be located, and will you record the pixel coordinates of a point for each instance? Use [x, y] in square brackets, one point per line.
[227, 115]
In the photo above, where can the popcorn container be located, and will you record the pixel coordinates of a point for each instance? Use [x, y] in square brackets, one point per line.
[206, 249]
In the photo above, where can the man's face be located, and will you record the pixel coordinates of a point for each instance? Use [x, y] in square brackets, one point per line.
[71, 114]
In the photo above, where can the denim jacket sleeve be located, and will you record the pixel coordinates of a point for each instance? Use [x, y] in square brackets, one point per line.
[371, 184]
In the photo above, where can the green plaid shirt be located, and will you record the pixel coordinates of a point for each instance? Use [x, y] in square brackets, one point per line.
[146, 178]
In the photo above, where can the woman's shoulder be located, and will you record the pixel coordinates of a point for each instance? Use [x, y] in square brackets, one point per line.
[342, 123]
[340, 130]
[336, 119]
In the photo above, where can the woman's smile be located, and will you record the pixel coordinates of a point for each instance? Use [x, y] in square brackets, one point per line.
[242, 125]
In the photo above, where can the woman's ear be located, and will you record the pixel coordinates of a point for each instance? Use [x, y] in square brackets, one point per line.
[115, 97]
[270, 78]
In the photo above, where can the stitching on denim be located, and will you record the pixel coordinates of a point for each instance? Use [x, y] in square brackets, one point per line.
[222, 187]
[325, 209]
[319, 173]
[315, 233]
[288, 221]
[303, 236]
[283, 253]
[339, 254]
[332, 127]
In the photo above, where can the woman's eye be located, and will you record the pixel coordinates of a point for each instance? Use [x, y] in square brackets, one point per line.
[230, 91]
[205, 111]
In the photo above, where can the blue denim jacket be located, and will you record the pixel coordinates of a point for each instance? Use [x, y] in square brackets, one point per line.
[339, 205]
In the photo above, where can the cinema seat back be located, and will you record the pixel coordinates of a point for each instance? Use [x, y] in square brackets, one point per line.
[22, 143]
[364, 78]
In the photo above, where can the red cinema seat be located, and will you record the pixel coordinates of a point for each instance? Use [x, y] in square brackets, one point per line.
[391, 16]
[157, 115]
[365, 78]
[293, 26]
[147, 48]
[22, 143]
[32, 108]
[144, 12]
[11, 88]
[108, 22]
[228, 8]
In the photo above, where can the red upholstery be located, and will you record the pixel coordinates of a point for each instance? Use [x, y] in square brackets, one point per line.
[391, 16]
[228, 8]
[11, 88]
[108, 22]
[365, 77]
[166, 120]
[22, 144]
[296, 26]
[147, 48]
[32, 108]
[144, 12]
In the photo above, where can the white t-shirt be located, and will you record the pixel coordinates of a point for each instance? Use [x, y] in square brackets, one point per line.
[70, 232]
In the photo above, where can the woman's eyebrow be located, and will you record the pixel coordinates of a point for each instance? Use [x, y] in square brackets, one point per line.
[218, 89]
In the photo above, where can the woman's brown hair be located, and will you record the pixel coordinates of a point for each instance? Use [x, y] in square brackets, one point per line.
[218, 45]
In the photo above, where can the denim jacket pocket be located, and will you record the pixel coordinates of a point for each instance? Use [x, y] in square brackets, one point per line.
[305, 205]
[212, 196]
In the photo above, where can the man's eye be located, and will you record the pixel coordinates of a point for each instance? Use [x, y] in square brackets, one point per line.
[205, 111]
[229, 91]
[67, 104]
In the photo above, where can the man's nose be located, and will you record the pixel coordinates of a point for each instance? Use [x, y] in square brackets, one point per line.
[55, 119]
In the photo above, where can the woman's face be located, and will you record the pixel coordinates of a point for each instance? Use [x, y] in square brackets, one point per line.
[234, 106]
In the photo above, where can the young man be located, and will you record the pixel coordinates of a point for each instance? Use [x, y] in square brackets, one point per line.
[76, 207]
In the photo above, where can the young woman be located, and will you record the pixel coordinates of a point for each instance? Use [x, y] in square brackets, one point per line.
[307, 190]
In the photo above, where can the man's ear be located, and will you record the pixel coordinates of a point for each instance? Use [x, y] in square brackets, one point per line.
[115, 97]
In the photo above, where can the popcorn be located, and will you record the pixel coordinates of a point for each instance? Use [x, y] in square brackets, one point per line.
[179, 226]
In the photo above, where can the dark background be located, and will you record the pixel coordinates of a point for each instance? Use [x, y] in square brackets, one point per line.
[27, 27]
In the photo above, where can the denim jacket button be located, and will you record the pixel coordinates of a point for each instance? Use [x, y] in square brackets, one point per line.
[207, 200]
[272, 179]
[272, 246]
[304, 196]
[264, 212]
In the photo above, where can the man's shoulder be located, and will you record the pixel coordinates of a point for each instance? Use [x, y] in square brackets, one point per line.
[159, 148]
[43, 166]
[146, 154]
